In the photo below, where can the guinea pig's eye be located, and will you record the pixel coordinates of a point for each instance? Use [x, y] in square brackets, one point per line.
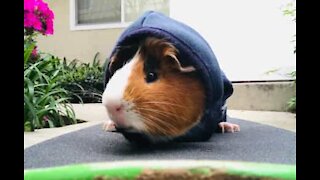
[151, 76]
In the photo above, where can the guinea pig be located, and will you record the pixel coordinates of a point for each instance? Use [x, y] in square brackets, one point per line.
[153, 94]
[148, 94]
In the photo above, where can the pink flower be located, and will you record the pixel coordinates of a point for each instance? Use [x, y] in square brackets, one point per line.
[45, 118]
[29, 19]
[34, 52]
[29, 5]
[41, 6]
[38, 16]
[49, 26]
[32, 21]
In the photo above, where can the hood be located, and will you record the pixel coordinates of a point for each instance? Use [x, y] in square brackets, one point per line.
[193, 50]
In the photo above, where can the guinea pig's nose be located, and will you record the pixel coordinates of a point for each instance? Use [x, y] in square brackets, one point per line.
[114, 108]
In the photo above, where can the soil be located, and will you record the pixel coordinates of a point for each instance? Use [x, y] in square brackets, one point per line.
[182, 174]
[67, 122]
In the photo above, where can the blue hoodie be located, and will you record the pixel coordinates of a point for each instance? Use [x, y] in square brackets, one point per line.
[193, 50]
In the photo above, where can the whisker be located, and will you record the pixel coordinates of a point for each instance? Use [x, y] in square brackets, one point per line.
[154, 119]
[131, 92]
[168, 125]
[161, 102]
[150, 123]
[164, 113]
[138, 98]
[164, 93]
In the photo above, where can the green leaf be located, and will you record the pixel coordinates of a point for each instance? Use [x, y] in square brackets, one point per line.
[62, 100]
[80, 99]
[27, 52]
[78, 85]
[40, 85]
[51, 125]
[45, 111]
[95, 60]
[30, 69]
[68, 112]
[44, 99]
[28, 126]
[30, 87]
[32, 110]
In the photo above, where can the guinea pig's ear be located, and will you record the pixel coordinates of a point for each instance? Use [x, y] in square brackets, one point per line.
[170, 54]
[114, 63]
[121, 55]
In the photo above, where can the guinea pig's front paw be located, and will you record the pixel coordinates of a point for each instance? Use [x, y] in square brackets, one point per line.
[109, 126]
[229, 127]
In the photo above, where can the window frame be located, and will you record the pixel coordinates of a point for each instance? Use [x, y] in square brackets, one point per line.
[77, 27]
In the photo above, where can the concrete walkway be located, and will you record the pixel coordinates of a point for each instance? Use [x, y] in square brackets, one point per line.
[95, 114]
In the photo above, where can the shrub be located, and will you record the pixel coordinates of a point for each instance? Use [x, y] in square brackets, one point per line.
[45, 101]
[83, 80]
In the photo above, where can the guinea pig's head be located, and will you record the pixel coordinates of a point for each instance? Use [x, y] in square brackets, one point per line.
[152, 93]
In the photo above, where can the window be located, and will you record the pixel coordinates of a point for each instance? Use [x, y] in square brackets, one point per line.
[101, 14]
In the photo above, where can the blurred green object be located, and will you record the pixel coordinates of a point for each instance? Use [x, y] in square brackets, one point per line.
[132, 169]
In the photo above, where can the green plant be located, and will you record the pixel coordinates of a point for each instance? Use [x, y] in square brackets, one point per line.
[290, 10]
[45, 102]
[292, 104]
[83, 80]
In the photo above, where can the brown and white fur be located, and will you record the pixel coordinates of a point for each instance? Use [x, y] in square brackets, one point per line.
[154, 94]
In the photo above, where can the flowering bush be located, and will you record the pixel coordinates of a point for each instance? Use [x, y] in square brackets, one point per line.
[38, 17]
[46, 103]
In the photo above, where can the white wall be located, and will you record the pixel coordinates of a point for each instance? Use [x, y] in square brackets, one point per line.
[249, 37]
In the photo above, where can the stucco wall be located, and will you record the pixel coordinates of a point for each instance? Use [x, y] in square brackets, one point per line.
[82, 45]
[264, 96]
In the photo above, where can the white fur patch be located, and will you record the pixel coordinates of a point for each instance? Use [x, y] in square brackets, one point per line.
[135, 120]
[117, 84]
[114, 94]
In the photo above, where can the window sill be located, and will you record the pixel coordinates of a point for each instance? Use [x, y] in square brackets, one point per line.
[98, 26]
